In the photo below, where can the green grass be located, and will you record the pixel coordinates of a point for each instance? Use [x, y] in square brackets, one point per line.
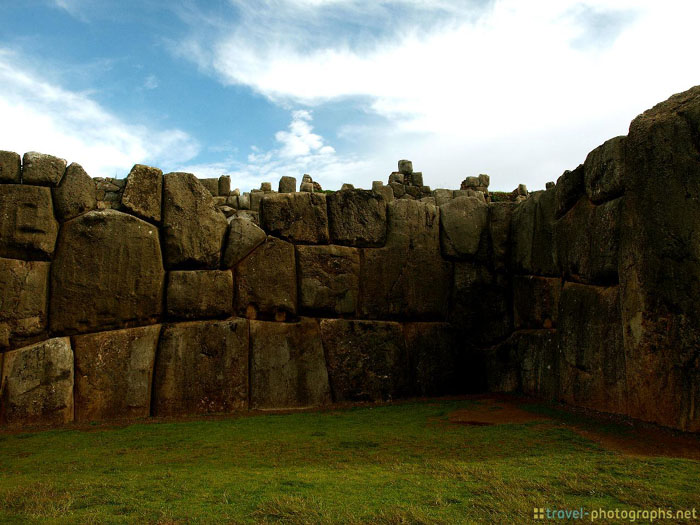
[386, 464]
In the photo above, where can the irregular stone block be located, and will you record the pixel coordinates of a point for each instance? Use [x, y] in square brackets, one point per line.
[416, 178]
[413, 224]
[266, 279]
[297, 217]
[143, 193]
[193, 229]
[568, 190]
[397, 188]
[347, 186]
[500, 216]
[202, 367]
[37, 384]
[75, 194]
[199, 294]
[533, 249]
[306, 187]
[367, 361]
[244, 201]
[243, 237]
[10, 168]
[211, 185]
[266, 187]
[463, 223]
[287, 184]
[224, 185]
[435, 359]
[387, 192]
[39, 169]
[28, 228]
[114, 373]
[442, 196]
[535, 301]
[604, 171]
[405, 167]
[255, 199]
[107, 273]
[357, 218]
[287, 365]
[592, 369]
[24, 293]
[329, 279]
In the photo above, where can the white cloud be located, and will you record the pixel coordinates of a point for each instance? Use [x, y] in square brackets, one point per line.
[42, 116]
[151, 82]
[552, 78]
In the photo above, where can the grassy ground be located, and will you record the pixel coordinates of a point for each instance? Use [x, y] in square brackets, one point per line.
[406, 463]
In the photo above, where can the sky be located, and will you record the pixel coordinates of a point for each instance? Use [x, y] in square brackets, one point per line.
[339, 89]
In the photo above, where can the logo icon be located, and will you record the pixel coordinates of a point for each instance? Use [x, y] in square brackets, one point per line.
[539, 514]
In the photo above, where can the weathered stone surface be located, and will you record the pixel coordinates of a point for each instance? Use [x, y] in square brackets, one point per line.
[287, 184]
[500, 215]
[10, 168]
[568, 190]
[347, 186]
[287, 365]
[114, 373]
[211, 185]
[255, 199]
[199, 294]
[329, 279]
[266, 187]
[28, 228]
[39, 169]
[405, 167]
[463, 223]
[442, 196]
[243, 237]
[592, 369]
[202, 367]
[357, 218]
[244, 201]
[296, 217]
[367, 361]
[659, 270]
[224, 185]
[143, 193]
[532, 230]
[24, 293]
[193, 229]
[266, 279]
[436, 363]
[306, 187]
[75, 194]
[604, 171]
[535, 301]
[107, 273]
[385, 191]
[37, 384]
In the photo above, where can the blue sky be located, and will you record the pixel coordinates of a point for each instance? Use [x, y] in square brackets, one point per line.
[340, 89]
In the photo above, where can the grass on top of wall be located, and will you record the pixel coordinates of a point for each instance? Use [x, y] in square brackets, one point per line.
[445, 461]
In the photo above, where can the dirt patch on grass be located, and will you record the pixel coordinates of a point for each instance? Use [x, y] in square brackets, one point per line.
[493, 412]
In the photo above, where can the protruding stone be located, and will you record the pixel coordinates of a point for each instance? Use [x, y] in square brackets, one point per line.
[36, 385]
[405, 167]
[225, 185]
[550, 185]
[357, 218]
[484, 180]
[266, 279]
[199, 294]
[287, 365]
[202, 367]
[211, 185]
[377, 186]
[347, 186]
[28, 228]
[463, 223]
[193, 229]
[568, 190]
[306, 187]
[604, 171]
[107, 273]
[329, 279]
[398, 189]
[243, 237]
[266, 187]
[10, 167]
[114, 373]
[288, 184]
[143, 192]
[396, 178]
[297, 217]
[75, 194]
[256, 197]
[416, 178]
[39, 169]
[522, 190]
[307, 178]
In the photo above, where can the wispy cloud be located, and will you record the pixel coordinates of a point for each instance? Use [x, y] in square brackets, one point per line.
[151, 82]
[50, 119]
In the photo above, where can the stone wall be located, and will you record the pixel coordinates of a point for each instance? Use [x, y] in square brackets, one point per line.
[170, 295]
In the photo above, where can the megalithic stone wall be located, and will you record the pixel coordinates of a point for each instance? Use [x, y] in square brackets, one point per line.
[166, 295]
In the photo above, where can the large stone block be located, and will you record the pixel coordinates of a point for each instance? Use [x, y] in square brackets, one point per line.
[500, 215]
[143, 193]
[75, 194]
[463, 227]
[604, 171]
[243, 237]
[367, 361]
[28, 228]
[24, 294]
[329, 279]
[39, 169]
[107, 273]
[413, 225]
[193, 228]
[532, 232]
[296, 217]
[266, 281]
[199, 294]
[287, 184]
[287, 365]
[357, 218]
[201, 367]
[569, 189]
[535, 301]
[114, 373]
[436, 359]
[592, 368]
[10, 168]
[36, 386]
